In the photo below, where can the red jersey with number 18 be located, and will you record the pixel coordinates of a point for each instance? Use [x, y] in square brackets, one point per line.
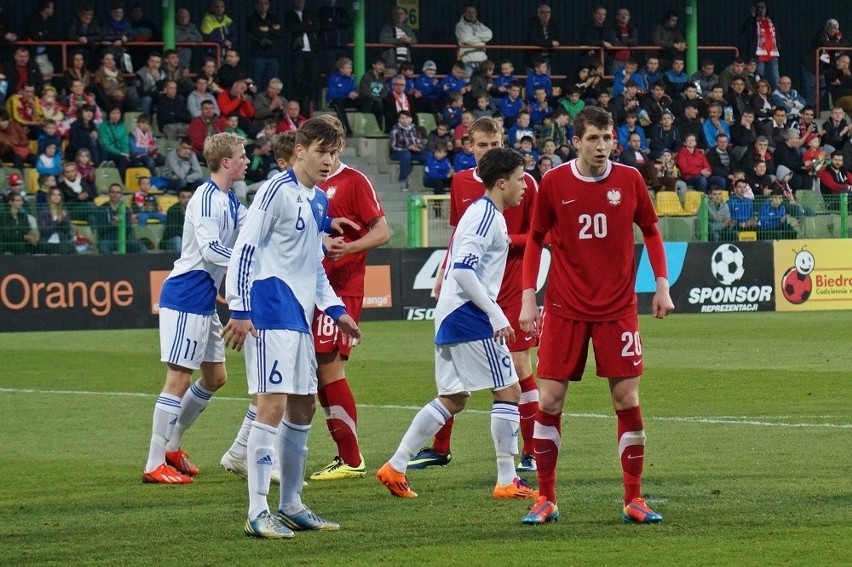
[350, 195]
[467, 187]
[590, 220]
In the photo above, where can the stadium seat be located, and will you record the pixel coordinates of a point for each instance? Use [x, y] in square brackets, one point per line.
[364, 125]
[131, 177]
[725, 195]
[166, 201]
[106, 176]
[426, 120]
[812, 200]
[31, 180]
[100, 200]
[692, 202]
[668, 204]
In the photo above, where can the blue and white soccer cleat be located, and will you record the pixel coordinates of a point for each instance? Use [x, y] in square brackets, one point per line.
[267, 526]
[307, 520]
[429, 457]
[527, 463]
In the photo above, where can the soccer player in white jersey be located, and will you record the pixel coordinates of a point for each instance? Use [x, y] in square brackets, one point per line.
[471, 331]
[190, 330]
[275, 278]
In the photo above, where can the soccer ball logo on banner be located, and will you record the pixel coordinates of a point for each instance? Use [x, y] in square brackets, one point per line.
[726, 263]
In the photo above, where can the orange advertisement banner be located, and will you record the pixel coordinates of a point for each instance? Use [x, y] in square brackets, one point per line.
[377, 287]
[156, 278]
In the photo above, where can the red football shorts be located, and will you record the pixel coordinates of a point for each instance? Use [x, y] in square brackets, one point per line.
[564, 348]
[522, 340]
[327, 337]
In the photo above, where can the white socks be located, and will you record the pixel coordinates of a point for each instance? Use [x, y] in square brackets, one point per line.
[239, 446]
[424, 426]
[293, 452]
[191, 406]
[166, 412]
[261, 461]
[505, 422]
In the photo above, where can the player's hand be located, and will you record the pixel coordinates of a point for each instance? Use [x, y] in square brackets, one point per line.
[348, 325]
[530, 319]
[436, 291]
[505, 335]
[234, 333]
[662, 304]
[335, 247]
[339, 222]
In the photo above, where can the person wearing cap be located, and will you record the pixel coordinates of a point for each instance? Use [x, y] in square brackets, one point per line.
[427, 85]
[472, 35]
[14, 185]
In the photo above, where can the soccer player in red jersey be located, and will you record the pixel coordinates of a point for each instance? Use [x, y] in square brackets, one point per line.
[589, 206]
[350, 195]
[467, 187]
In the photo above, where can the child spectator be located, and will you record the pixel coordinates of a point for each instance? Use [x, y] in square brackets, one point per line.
[262, 161]
[232, 125]
[561, 132]
[453, 110]
[668, 174]
[572, 103]
[84, 134]
[465, 158]
[406, 147]
[629, 127]
[85, 166]
[604, 100]
[460, 131]
[268, 130]
[49, 134]
[49, 162]
[539, 78]
[483, 106]
[143, 146]
[814, 158]
[548, 149]
[482, 80]
[773, 221]
[783, 175]
[427, 85]
[539, 108]
[438, 172]
[455, 82]
[46, 183]
[512, 104]
[520, 129]
[741, 207]
[342, 92]
[50, 106]
[506, 78]
[145, 205]
[589, 81]
[440, 137]
[529, 154]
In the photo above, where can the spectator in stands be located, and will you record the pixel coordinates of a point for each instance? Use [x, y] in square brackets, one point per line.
[722, 160]
[342, 92]
[651, 71]
[472, 35]
[774, 223]
[694, 167]
[762, 42]
[303, 26]
[49, 135]
[737, 97]
[759, 152]
[145, 205]
[395, 102]
[627, 101]
[519, 129]
[182, 167]
[208, 71]
[630, 126]
[622, 35]
[177, 72]
[77, 71]
[111, 89]
[743, 133]
[558, 128]
[85, 165]
[664, 136]
[511, 105]
[655, 103]
[761, 102]
[544, 165]
[334, 35]
[269, 105]
[231, 70]
[788, 154]
[14, 185]
[25, 109]
[186, 32]
[141, 28]
[406, 147]
[835, 180]
[720, 223]
[777, 127]
[454, 82]
[440, 137]
[735, 69]
[542, 32]
[629, 74]
[199, 95]
[788, 98]
[572, 103]
[504, 79]
[676, 78]
[202, 126]
[56, 235]
[465, 158]
[42, 27]
[805, 124]
[540, 109]
[176, 215]
[149, 82]
[668, 38]
[540, 77]
[116, 26]
[88, 33]
[690, 123]
[828, 36]
[79, 193]
[14, 144]
[400, 35]
[597, 34]
[757, 178]
[689, 95]
[292, 118]
[49, 161]
[173, 116]
[264, 33]
[742, 207]
[84, 134]
[638, 158]
[21, 71]
[460, 131]
[18, 231]
[438, 172]
[218, 27]
[106, 223]
[143, 147]
[715, 125]
[751, 74]
[427, 85]
[482, 80]
[115, 140]
[231, 125]
[836, 130]
[237, 100]
[705, 77]
[372, 89]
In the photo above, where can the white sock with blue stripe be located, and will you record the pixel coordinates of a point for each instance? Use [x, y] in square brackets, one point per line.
[239, 446]
[505, 423]
[261, 442]
[191, 406]
[293, 455]
[166, 412]
[424, 426]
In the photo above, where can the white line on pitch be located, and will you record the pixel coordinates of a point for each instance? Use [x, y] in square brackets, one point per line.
[713, 420]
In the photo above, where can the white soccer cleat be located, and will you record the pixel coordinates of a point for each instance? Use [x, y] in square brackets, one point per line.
[239, 466]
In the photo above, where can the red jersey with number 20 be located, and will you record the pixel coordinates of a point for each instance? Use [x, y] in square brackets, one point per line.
[467, 187]
[590, 220]
[350, 195]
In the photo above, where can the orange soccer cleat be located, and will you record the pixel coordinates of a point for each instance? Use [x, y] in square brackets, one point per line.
[165, 474]
[518, 488]
[396, 482]
[180, 460]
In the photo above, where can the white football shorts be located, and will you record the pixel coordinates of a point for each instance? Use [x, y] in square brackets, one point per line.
[188, 339]
[472, 366]
[281, 361]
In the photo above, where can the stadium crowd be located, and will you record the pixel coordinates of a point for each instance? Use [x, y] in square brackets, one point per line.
[138, 118]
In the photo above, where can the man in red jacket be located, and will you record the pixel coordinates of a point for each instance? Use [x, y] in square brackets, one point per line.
[835, 180]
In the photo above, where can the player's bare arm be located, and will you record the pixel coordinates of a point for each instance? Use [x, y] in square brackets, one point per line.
[530, 318]
[234, 333]
[378, 235]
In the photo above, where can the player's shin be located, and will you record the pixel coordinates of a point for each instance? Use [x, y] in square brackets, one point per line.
[166, 412]
[261, 441]
[631, 450]
[504, 431]
[425, 424]
[527, 409]
[547, 440]
[193, 403]
[341, 417]
[293, 451]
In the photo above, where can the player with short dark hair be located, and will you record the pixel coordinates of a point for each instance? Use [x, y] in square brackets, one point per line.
[589, 207]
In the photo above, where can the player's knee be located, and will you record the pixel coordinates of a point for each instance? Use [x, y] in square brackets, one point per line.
[512, 394]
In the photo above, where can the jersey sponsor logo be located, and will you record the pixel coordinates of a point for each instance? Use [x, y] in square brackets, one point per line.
[613, 196]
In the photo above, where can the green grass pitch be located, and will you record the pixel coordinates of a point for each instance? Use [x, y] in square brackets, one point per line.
[749, 449]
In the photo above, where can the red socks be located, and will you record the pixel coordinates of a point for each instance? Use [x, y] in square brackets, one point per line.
[631, 450]
[441, 443]
[341, 418]
[547, 438]
[527, 408]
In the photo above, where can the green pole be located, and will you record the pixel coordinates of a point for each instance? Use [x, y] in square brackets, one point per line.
[414, 224]
[359, 56]
[691, 11]
[122, 228]
[844, 215]
[168, 24]
[703, 220]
